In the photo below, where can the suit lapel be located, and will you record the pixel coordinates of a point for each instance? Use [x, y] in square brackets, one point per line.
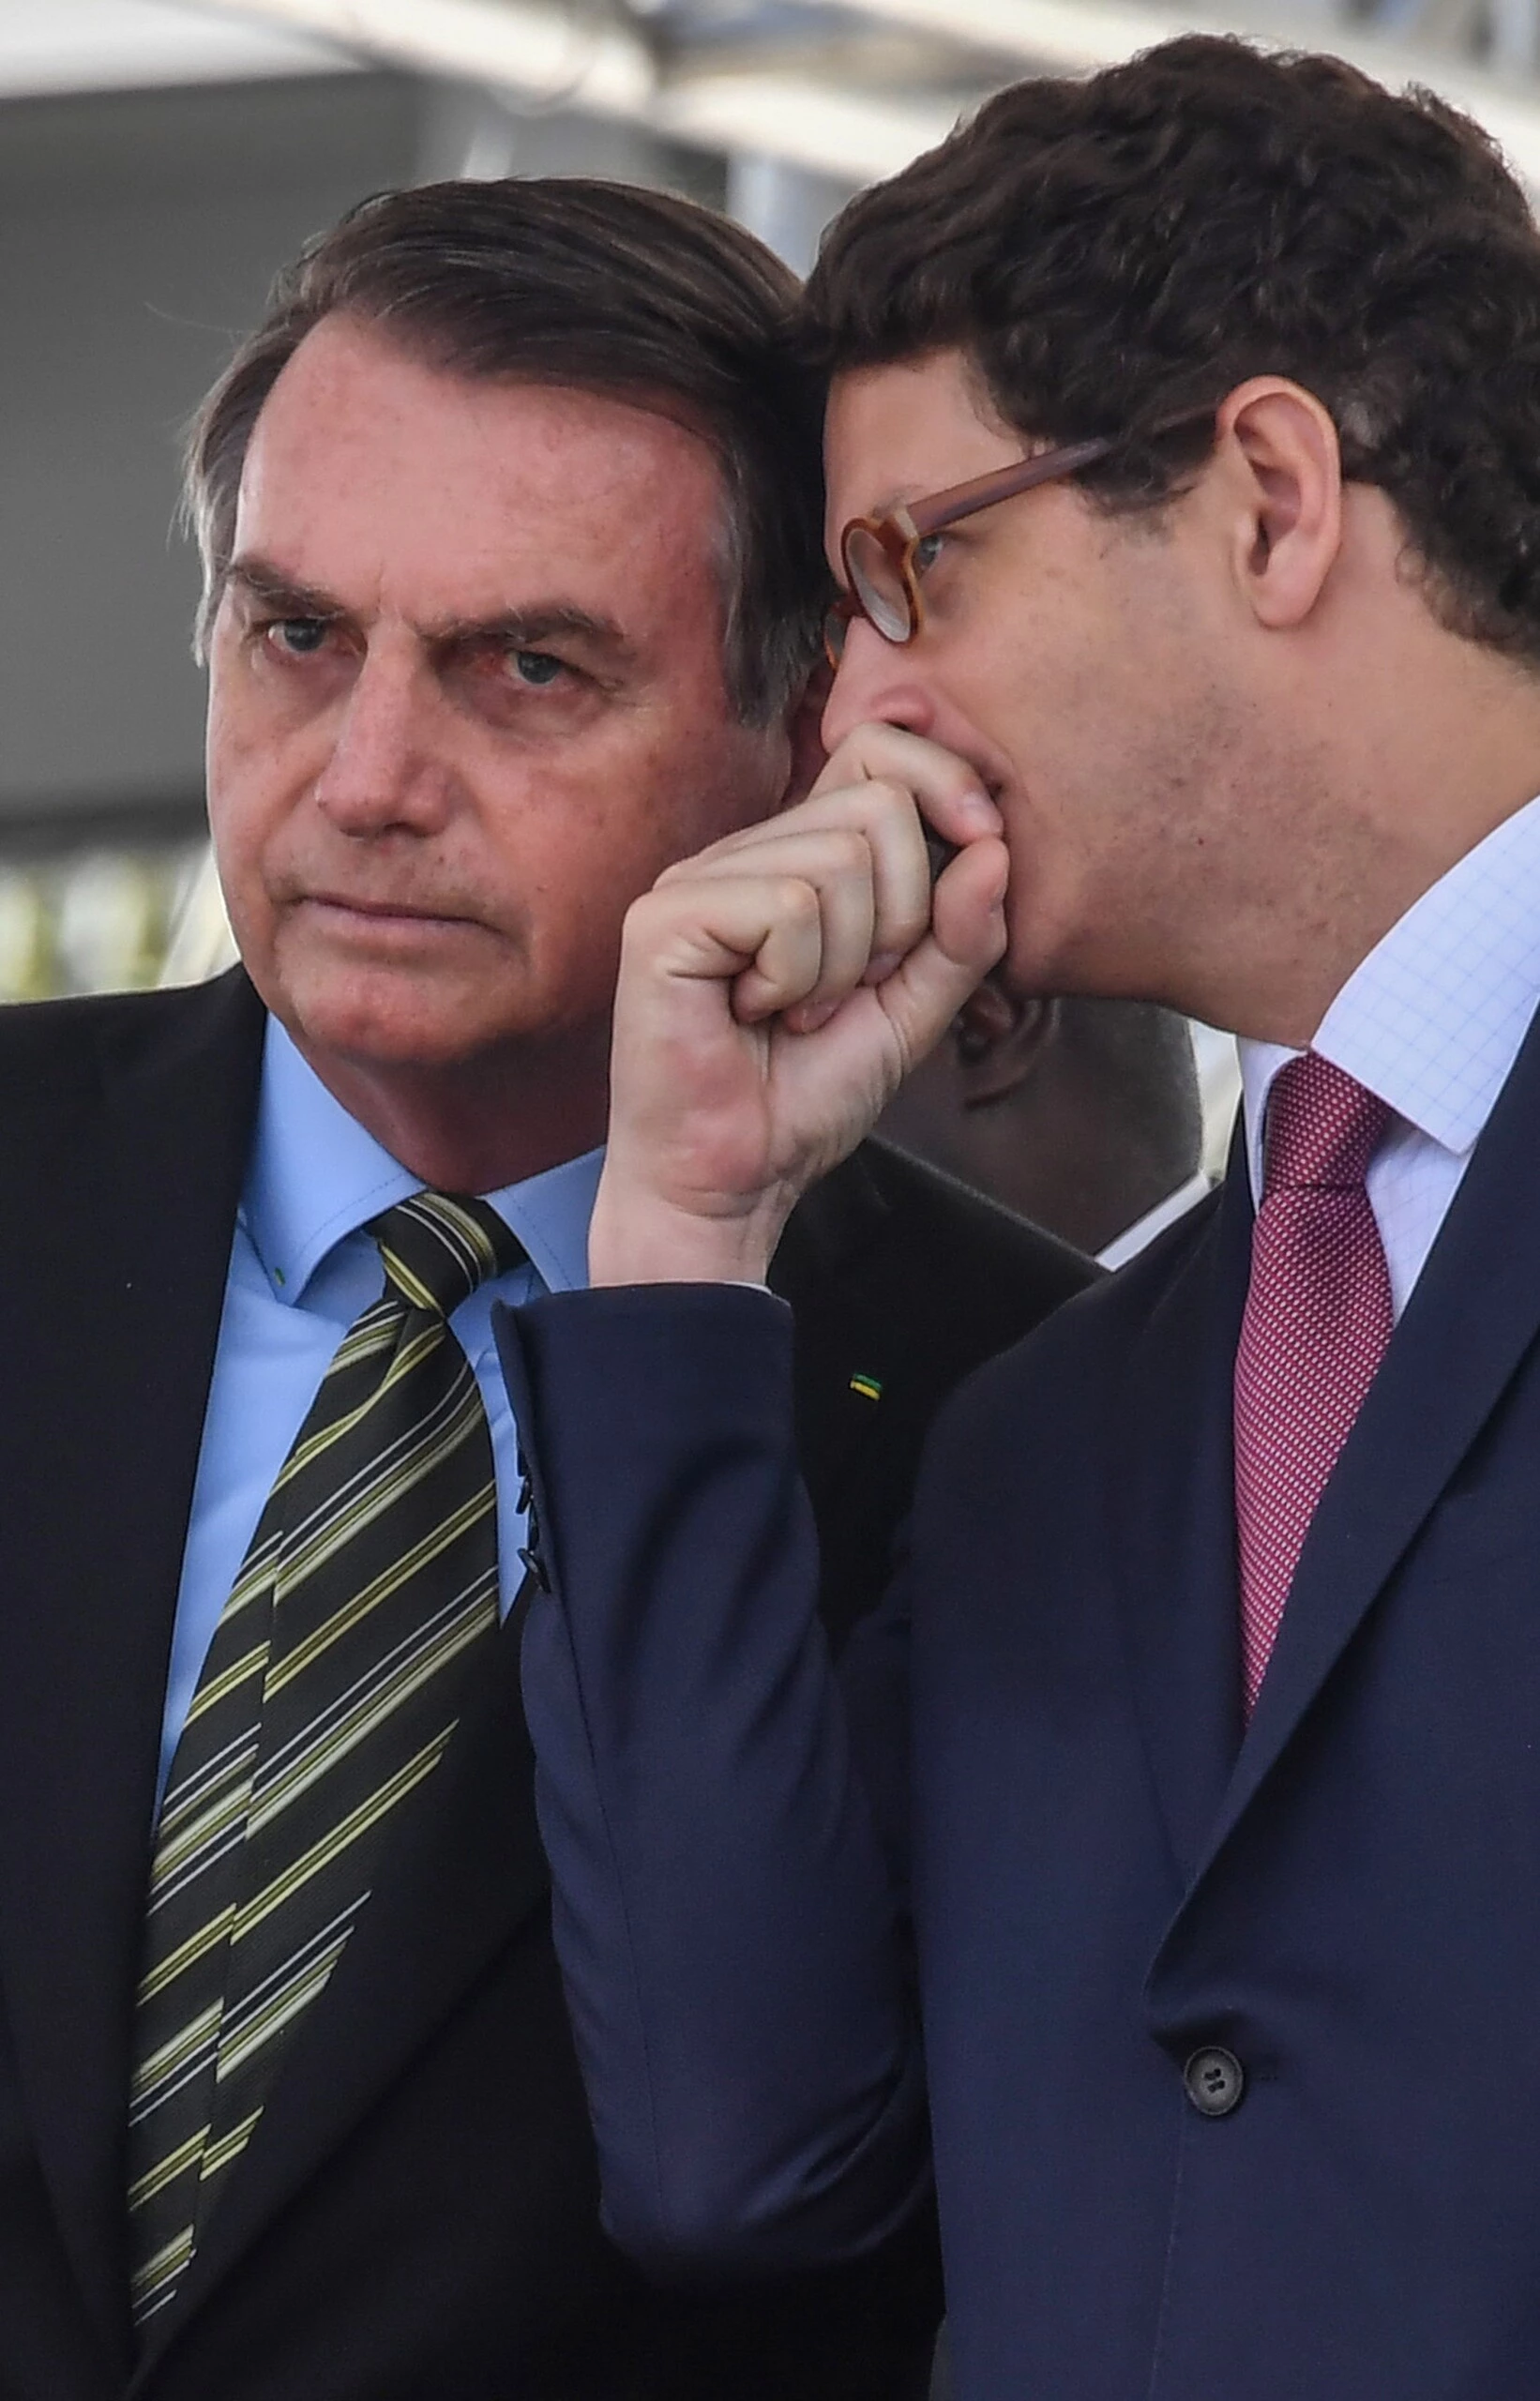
[1474, 1315]
[110, 1308]
[1170, 1499]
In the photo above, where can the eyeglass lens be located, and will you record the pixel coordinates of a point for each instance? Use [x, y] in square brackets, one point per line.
[877, 585]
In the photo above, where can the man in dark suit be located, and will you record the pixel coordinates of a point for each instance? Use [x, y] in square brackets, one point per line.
[509, 513]
[1222, 1835]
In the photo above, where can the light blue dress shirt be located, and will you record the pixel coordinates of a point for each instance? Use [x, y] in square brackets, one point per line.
[301, 1269]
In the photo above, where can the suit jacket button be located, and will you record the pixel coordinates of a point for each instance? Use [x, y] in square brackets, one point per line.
[1215, 2080]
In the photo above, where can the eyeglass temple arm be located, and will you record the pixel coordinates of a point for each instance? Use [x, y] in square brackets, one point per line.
[1045, 466]
[982, 491]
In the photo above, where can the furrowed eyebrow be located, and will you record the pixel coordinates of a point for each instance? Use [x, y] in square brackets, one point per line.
[526, 629]
[256, 579]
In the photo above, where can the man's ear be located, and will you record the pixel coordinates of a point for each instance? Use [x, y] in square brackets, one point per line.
[1285, 470]
[999, 1036]
[804, 723]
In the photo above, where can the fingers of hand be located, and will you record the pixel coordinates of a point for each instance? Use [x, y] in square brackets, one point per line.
[817, 938]
[863, 852]
[968, 936]
[772, 941]
[947, 791]
[968, 907]
[797, 913]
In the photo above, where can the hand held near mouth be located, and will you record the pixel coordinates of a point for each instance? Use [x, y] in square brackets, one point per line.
[774, 990]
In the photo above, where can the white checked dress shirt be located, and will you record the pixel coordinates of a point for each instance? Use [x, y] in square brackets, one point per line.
[1432, 1021]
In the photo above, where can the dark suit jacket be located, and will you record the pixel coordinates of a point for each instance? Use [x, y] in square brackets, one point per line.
[1108, 1876]
[416, 2214]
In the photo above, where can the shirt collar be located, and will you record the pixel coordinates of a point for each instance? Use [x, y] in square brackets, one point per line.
[316, 1175]
[1434, 1017]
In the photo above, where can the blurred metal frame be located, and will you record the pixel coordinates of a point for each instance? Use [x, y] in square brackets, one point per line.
[858, 89]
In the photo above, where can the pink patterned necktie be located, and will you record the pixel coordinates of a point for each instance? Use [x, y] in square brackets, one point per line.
[1318, 1318]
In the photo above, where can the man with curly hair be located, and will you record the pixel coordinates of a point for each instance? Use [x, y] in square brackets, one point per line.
[1184, 456]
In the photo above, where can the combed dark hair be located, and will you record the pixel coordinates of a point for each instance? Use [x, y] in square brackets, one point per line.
[603, 287]
[1115, 250]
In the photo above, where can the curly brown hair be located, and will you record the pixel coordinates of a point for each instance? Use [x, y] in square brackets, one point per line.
[1113, 252]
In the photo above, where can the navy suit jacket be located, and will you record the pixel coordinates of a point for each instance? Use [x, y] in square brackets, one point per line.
[416, 2219]
[1105, 1873]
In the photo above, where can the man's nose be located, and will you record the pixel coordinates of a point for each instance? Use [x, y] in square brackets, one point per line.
[875, 684]
[381, 770]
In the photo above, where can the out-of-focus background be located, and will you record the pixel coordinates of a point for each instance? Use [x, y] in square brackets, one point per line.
[159, 159]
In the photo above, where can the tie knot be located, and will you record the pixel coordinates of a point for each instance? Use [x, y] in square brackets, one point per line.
[1323, 1128]
[436, 1250]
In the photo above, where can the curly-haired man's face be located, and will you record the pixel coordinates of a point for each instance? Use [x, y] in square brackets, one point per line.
[1100, 673]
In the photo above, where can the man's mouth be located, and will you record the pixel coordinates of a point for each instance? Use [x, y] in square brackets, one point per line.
[387, 912]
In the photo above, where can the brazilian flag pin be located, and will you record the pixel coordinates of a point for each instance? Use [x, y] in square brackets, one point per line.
[869, 1387]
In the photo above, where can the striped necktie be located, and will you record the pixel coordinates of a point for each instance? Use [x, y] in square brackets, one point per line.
[330, 1690]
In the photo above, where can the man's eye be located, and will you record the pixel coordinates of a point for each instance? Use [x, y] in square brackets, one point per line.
[301, 637]
[927, 551]
[534, 667]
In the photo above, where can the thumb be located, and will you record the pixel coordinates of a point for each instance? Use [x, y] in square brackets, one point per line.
[967, 938]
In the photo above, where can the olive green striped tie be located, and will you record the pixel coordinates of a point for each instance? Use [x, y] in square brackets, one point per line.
[330, 1689]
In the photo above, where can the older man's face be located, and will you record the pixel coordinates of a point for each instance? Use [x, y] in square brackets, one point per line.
[467, 702]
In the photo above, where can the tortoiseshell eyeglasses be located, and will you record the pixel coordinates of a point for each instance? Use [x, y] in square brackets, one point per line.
[882, 555]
